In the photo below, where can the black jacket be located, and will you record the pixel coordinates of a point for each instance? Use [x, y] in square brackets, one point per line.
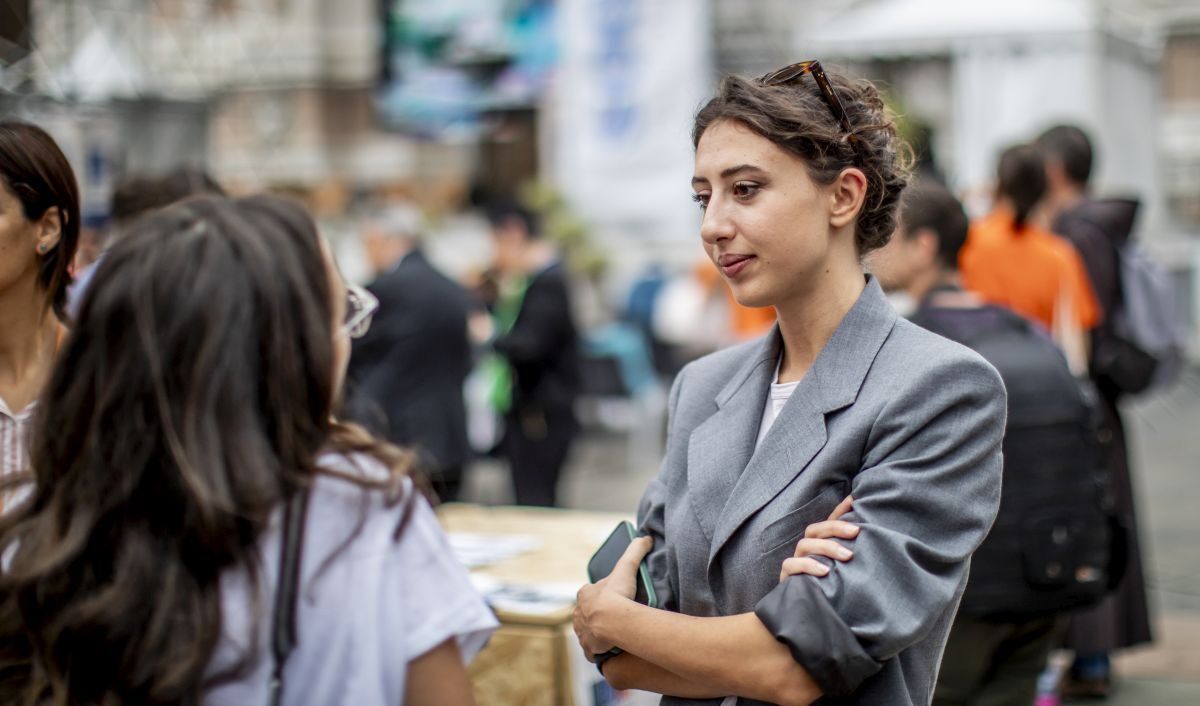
[406, 374]
[542, 346]
[1097, 229]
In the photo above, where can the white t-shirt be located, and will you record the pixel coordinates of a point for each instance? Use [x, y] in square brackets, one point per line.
[15, 428]
[777, 397]
[14, 438]
[361, 616]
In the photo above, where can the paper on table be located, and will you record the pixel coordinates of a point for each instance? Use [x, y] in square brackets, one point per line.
[484, 584]
[526, 599]
[474, 549]
[533, 598]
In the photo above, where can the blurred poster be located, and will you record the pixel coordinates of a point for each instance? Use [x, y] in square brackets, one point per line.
[631, 75]
[448, 63]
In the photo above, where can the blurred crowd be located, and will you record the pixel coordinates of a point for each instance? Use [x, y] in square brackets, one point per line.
[140, 345]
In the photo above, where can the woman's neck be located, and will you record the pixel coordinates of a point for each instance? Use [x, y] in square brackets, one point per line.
[28, 336]
[808, 323]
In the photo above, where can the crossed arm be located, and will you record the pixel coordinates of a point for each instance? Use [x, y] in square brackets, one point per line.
[733, 655]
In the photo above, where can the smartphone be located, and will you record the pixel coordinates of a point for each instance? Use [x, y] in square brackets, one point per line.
[605, 560]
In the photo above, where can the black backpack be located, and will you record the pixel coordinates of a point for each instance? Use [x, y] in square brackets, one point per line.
[1051, 548]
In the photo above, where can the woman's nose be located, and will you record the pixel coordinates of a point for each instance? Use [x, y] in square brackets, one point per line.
[716, 224]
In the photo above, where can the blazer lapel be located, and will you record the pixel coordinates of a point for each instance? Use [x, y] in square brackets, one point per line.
[720, 447]
[799, 433]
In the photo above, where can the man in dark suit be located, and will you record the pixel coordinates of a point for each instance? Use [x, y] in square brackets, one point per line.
[406, 374]
[537, 338]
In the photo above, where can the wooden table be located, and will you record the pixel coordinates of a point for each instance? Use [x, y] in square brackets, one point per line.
[533, 659]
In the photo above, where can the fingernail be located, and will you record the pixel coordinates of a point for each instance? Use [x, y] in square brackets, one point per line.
[845, 553]
[824, 569]
[854, 530]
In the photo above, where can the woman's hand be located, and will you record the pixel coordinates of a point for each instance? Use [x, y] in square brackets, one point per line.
[594, 600]
[818, 541]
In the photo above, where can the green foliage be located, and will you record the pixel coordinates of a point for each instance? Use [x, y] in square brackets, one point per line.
[564, 228]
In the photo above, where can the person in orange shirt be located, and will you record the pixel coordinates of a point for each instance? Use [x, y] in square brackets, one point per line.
[745, 322]
[1012, 262]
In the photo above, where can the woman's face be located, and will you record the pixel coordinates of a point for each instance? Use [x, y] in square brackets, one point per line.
[18, 241]
[341, 339]
[766, 223]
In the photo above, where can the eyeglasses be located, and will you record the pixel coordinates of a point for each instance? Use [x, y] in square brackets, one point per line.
[793, 72]
[361, 305]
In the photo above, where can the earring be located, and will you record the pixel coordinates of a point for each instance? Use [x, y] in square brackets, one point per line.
[41, 248]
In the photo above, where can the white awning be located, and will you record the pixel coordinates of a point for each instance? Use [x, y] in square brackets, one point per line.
[891, 28]
[100, 69]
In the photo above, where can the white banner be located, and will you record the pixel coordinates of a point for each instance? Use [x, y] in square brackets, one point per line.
[632, 75]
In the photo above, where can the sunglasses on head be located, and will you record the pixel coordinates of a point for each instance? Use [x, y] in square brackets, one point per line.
[794, 72]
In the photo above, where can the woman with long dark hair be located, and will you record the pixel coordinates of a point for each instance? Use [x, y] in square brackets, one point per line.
[192, 403]
[39, 231]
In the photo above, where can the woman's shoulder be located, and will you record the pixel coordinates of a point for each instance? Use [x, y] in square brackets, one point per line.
[705, 377]
[916, 356]
[353, 473]
[355, 491]
[354, 465]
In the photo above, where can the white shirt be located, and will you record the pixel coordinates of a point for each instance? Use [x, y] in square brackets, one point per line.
[777, 397]
[15, 433]
[14, 438]
[377, 605]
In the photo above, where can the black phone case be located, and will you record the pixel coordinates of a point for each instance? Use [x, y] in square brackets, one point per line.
[605, 560]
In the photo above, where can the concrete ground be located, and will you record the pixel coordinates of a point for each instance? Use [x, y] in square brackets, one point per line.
[1166, 448]
[609, 469]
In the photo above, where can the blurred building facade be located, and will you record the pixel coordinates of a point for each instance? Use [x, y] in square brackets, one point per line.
[1179, 25]
[971, 78]
[265, 93]
[279, 92]
[286, 94]
[758, 34]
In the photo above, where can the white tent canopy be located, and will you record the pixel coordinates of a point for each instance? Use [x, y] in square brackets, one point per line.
[913, 27]
[100, 69]
[1015, 68]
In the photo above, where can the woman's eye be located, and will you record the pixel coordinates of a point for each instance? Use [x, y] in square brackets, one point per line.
[745, 189]
[701, 199]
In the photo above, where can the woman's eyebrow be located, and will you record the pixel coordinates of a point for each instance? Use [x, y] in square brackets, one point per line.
[729, 172]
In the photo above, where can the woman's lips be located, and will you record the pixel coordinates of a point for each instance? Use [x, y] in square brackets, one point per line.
[731, 265]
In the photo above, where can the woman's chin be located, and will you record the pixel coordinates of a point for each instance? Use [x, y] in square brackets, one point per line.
[752, 299]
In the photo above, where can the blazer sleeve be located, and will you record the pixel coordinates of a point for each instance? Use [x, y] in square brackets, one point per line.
[925, 498]
[652, 518]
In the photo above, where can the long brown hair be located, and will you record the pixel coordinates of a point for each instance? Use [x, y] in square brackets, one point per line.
[191, 399]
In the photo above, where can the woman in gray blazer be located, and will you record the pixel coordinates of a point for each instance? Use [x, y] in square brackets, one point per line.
[798, 174]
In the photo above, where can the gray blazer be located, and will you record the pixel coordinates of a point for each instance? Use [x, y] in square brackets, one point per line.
[908, 422]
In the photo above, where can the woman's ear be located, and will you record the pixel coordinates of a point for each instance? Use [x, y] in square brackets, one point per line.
[847, 194]
[49, 229]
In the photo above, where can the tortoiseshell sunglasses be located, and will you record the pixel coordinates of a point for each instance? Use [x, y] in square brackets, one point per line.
[792, 72]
